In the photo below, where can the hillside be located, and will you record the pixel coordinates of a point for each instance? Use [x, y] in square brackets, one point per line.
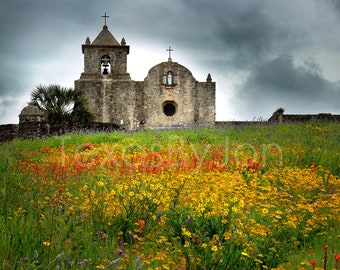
[250, 197]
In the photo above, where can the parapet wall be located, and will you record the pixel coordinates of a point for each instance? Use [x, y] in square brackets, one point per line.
[279, 117]
[8, 132]
[30, 130]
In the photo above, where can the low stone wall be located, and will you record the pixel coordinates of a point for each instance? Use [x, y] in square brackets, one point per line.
[8, 132]
[63, 128]
[44, 129]
[322, 117]
[240, 123]
[278, 117]
[30, 130]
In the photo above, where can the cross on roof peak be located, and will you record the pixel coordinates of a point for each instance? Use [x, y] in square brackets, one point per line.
[105, 16]
[169, 50]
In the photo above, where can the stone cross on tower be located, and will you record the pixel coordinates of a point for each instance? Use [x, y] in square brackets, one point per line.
[105, 16]
[169, 50]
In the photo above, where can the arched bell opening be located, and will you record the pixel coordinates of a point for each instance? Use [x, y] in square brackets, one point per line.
[105, 66]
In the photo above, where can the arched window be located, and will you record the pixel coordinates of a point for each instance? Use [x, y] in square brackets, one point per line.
[169, 78]
[105, 66]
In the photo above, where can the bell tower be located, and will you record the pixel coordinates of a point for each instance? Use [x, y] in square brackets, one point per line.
[105, 79]
[105, 57]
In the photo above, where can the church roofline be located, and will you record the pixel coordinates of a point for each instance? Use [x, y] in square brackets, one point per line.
[105, 37]
[127, 47]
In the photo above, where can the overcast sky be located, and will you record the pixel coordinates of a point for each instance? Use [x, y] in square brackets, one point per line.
[262, 54]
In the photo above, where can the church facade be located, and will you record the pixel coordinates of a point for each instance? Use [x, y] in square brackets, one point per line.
[168, 97]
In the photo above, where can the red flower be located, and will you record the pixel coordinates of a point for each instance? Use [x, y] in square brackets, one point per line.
[337, 260]
[337, 257]
[313, 262]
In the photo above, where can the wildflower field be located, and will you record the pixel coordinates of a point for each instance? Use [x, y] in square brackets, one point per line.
[256, 197]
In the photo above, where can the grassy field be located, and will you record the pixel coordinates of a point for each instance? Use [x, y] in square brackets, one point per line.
[255, 197]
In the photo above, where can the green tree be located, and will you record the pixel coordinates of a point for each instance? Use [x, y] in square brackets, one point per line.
[61, 104]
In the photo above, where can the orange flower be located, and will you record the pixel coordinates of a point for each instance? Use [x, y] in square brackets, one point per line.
[142, 224]
[87, 146]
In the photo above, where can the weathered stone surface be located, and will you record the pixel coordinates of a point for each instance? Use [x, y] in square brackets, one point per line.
[8, 132]
[115, 98]
[30, 113]
[194, 101]
[279, 117]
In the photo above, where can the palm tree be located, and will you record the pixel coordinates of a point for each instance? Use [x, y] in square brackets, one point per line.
[61, 104]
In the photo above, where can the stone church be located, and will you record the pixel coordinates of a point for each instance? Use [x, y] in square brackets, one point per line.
[168, 97]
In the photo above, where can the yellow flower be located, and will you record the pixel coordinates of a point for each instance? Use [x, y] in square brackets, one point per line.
[46, 243]
[185, 232]
[245, 254]
[258, 261]
[214, 248]
[224, 221]
[100, 184]
[187, 244]
[227, 235]
[264, 211]
[100, 266]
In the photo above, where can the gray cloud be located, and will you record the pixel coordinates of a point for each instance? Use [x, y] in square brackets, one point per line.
[336, 4]
[264, 39]
[281, 83]
[248, 31]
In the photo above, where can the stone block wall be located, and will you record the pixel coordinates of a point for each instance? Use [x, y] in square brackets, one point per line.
[137, 104]
[29, 130]
[34, 130]
[279, 117]
[194, 101]
[205, 102]
[121, 102]
[115, 101]
[8, 132]
[94, 53]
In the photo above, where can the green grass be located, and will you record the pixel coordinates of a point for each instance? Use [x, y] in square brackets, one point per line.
[299, 145]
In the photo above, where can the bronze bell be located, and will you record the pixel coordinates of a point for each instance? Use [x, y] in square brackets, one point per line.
[105, 71]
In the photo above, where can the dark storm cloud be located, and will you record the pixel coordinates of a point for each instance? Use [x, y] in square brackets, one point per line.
[237, 27]
[34, 35]
[41, 43]
[247, 29]
[240, 33]
[336, 4]
[280, 83]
